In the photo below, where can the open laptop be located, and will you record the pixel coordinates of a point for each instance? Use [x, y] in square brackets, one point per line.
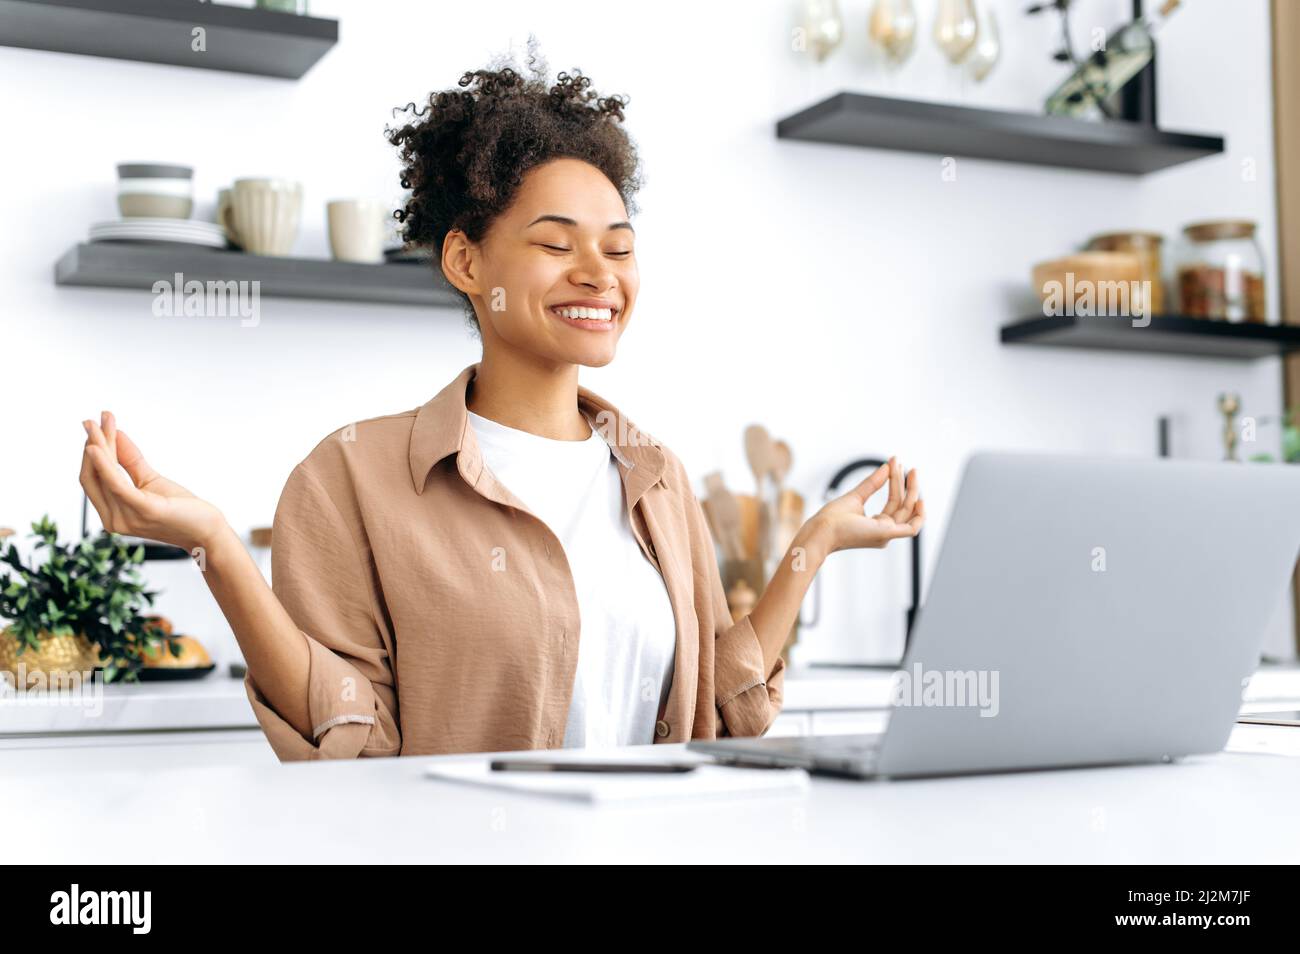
[1083, 611]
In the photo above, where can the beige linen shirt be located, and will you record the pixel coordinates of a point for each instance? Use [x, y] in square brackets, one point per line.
[440, 614]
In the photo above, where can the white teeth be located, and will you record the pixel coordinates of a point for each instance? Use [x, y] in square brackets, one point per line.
[591, 314]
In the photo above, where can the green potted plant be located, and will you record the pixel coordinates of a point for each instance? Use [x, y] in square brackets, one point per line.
[1290, 439]
[81, 608]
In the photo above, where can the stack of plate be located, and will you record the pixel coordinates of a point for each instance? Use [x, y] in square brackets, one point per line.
[183, 231]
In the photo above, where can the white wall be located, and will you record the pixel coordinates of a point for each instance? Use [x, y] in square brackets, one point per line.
[848, 299]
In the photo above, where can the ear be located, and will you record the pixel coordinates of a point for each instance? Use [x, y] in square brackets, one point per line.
[459, 261]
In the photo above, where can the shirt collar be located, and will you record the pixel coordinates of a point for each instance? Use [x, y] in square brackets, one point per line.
[442, 428]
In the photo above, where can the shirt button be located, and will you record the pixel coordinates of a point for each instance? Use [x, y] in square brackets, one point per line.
[661, 729]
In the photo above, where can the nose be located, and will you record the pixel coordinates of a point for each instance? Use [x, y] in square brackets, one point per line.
[593, 271]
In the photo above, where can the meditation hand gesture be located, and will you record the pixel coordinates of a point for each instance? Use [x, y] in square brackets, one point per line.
[133, 498]
[843, 525]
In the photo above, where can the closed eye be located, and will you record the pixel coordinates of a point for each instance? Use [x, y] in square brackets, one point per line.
[561, 248]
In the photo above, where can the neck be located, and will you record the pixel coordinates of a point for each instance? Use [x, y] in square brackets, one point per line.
[528, 395]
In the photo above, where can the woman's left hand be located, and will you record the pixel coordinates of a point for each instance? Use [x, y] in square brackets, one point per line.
[843, 525]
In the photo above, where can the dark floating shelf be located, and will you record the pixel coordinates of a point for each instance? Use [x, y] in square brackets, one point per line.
[1167, 334]
[237, 40]
[139, 265]
[877, 122]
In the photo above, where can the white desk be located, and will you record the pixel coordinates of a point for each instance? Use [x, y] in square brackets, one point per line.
[215, 795]
[1237, 806]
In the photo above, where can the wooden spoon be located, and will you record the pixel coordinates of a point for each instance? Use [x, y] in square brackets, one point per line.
[783, 460]
[762, 455]
[758, 451]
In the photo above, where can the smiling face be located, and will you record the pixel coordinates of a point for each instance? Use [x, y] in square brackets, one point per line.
[555, 276]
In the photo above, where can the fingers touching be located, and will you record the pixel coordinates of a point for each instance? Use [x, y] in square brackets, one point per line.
[904, 508]
[90, 483]
[109, 426]
[129, 456]
[114, 494]
[904, 498]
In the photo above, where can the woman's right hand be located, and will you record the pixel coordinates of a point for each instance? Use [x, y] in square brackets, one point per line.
[143, 504]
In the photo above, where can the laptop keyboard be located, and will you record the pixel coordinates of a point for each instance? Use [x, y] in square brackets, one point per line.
[834, 746]
[851, 755]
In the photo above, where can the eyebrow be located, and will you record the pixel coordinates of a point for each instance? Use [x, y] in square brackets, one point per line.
[565, 220]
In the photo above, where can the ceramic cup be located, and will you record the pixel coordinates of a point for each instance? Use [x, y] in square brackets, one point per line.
[357, 228]
[264, 214]
[225, 217]
[155, 190]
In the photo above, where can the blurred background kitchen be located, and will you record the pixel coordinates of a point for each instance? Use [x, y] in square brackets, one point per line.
[847, 295]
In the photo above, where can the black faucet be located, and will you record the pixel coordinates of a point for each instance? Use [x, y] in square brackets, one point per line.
[832, 487]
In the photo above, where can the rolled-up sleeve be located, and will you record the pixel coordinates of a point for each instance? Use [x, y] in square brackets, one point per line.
[748, 698]
[322, 578]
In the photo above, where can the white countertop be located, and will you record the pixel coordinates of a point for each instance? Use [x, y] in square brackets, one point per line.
[220, 702]
[213, 702]
[1235, 807]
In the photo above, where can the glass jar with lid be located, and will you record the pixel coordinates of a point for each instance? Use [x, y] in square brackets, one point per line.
[1220, 270]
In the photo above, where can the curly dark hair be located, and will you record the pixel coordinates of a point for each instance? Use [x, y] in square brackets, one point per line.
[466, 151]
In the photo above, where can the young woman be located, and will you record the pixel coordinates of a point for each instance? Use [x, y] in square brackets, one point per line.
[514, 564]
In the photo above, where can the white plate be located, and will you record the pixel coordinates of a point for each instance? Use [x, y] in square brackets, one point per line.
[154, 232]
[207, 241]
[157, 227]
[135, 220]
[160, 230]
[170, 226]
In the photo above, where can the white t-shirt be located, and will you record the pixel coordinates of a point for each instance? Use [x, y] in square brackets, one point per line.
[627, 635]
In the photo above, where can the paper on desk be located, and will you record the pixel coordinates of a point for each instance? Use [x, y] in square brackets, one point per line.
[707, 781]
[1278, 683]
[1267, 739]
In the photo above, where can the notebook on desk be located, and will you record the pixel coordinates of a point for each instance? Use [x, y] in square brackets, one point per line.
[705, 782]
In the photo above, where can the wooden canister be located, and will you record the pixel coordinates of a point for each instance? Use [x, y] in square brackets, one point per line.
[1147, 247]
